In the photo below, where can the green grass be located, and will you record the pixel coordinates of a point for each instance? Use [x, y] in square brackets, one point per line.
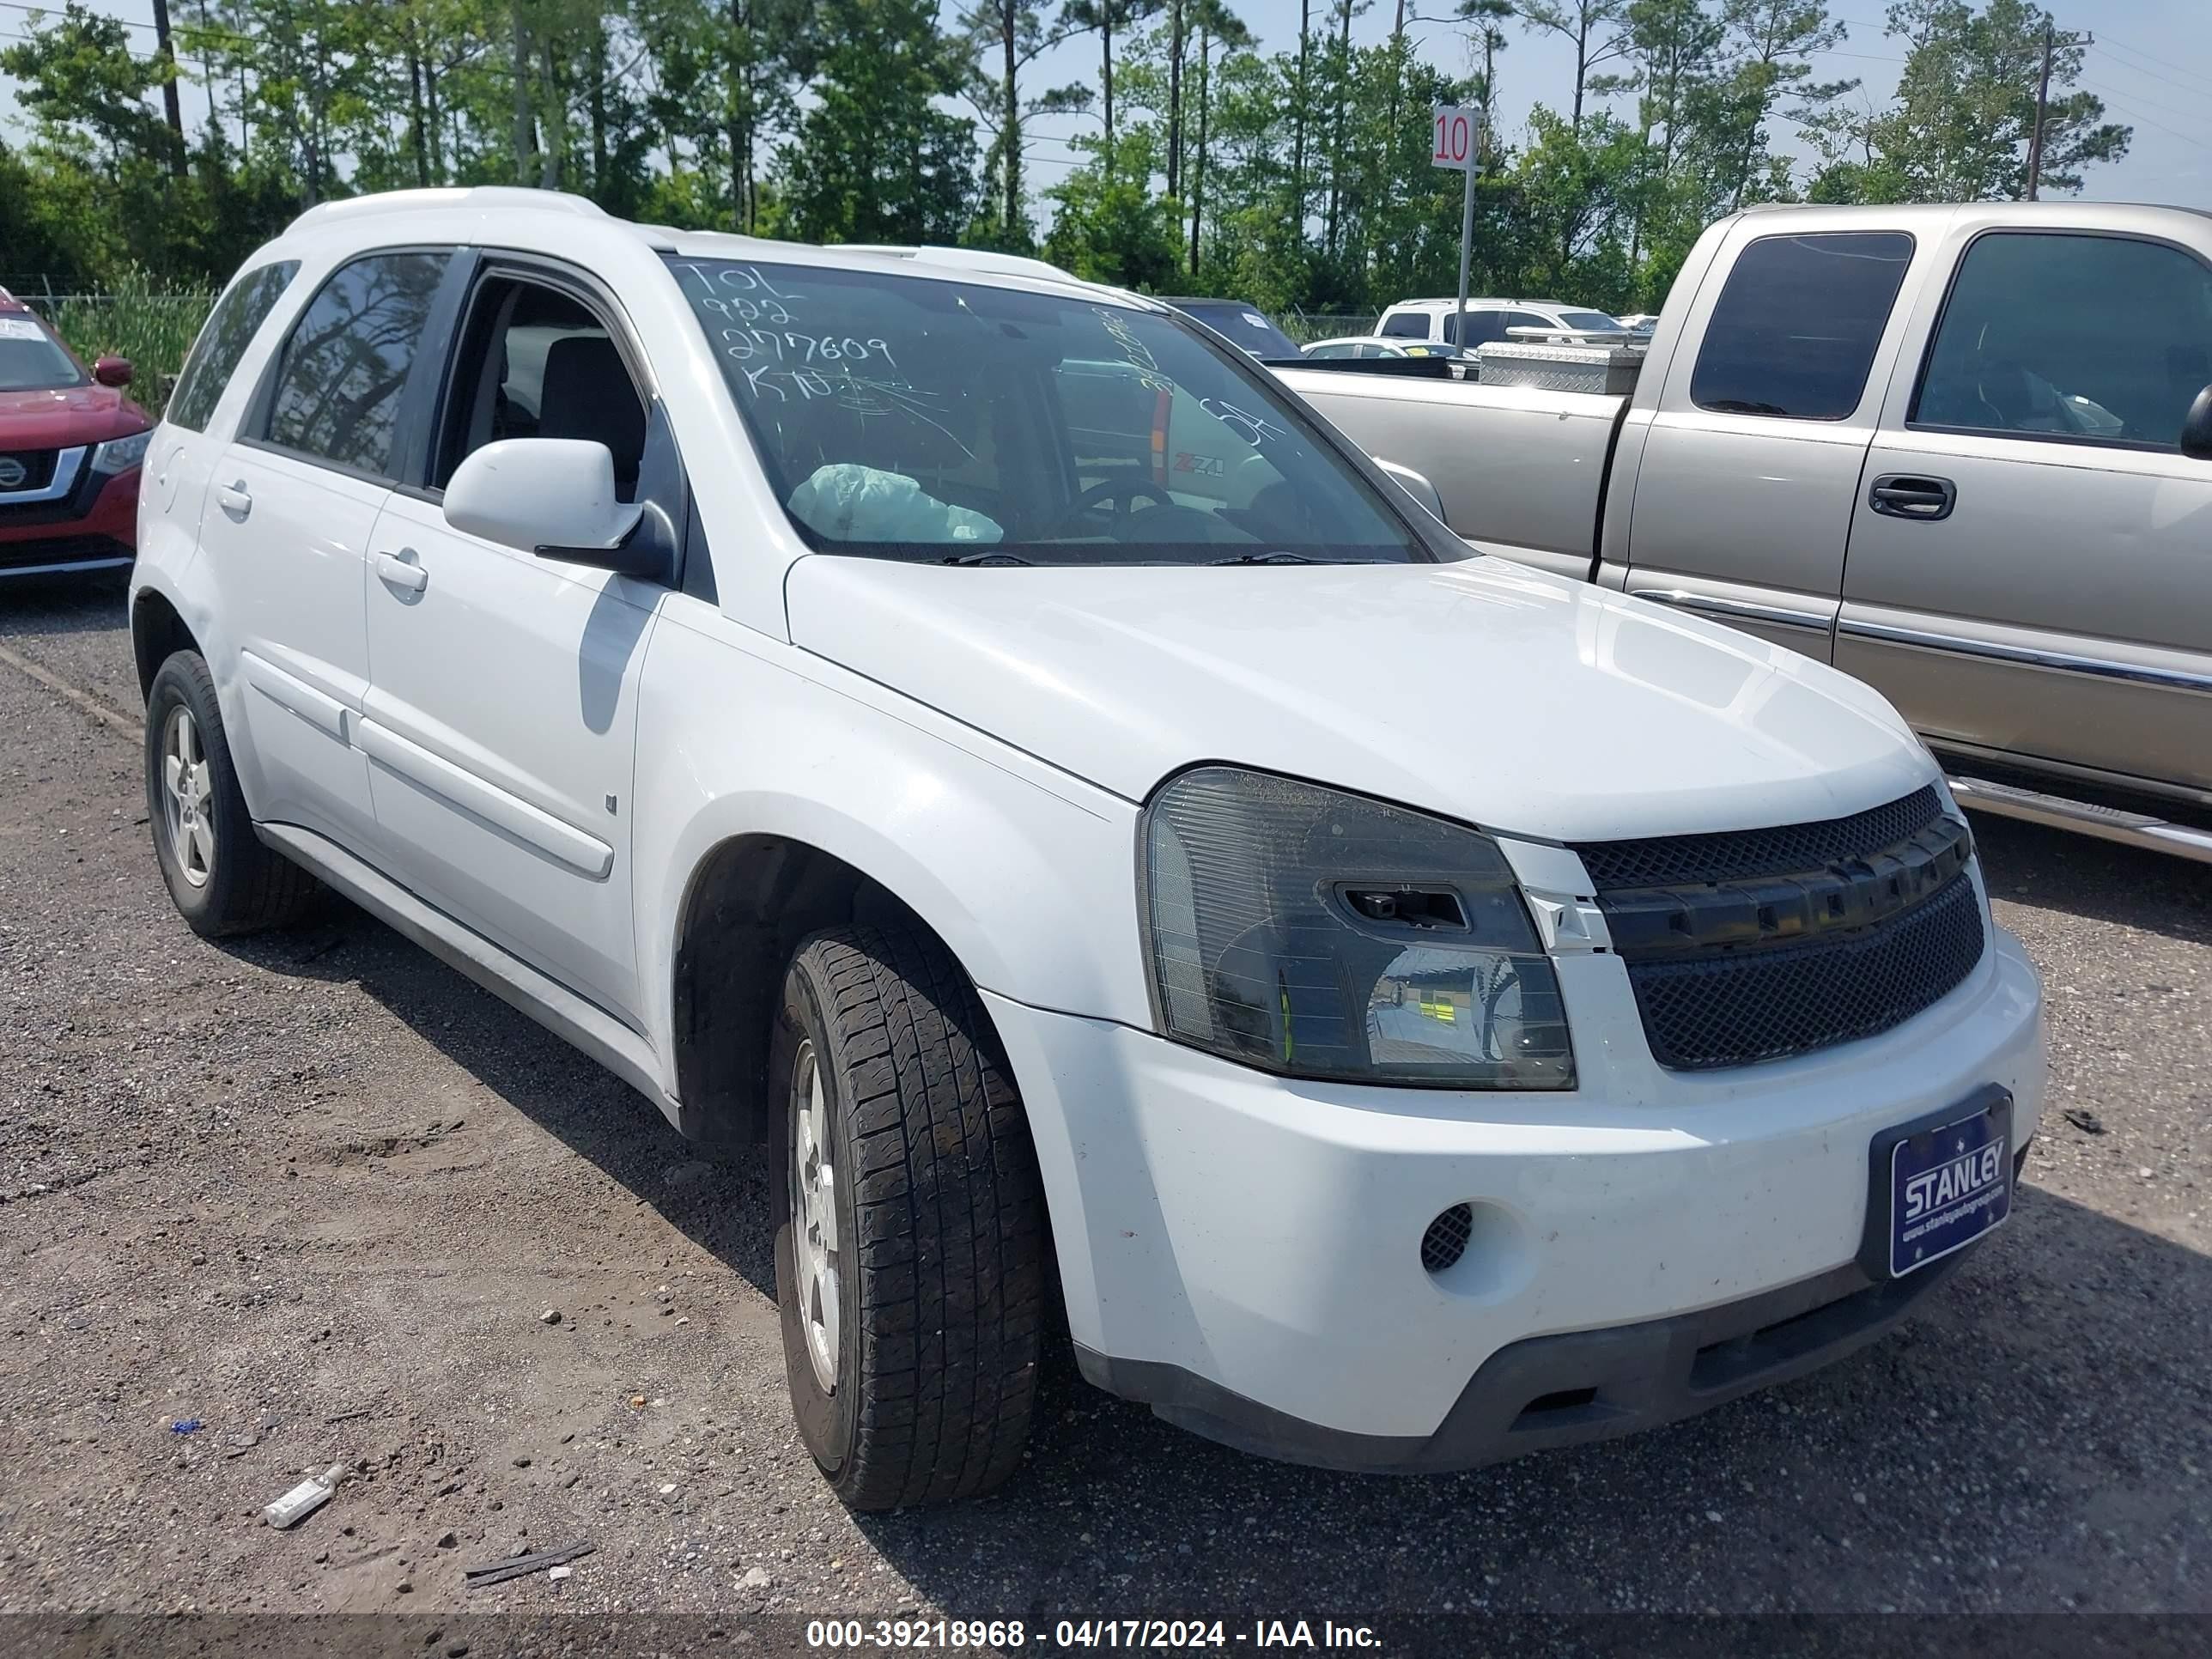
[152, 325]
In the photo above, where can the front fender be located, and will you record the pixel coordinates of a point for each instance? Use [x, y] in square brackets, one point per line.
[1027, 874]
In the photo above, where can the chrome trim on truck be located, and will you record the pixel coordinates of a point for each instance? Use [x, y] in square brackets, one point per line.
[2085, 818]
[1727, 610]
[2177, 679]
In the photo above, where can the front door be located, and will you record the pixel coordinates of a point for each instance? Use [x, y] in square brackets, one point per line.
[502, 714]
[2031, 559]
[1752, 456]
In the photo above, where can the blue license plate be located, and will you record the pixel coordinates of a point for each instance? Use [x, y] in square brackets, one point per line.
[1942, 1184]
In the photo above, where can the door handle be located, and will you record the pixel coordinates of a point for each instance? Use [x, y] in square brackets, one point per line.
[1909, 496]
[401, 570]
[236, 498]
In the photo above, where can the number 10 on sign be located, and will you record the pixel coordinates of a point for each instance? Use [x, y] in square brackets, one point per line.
[1458, 134]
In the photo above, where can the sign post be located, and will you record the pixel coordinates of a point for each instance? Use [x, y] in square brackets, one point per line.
[1459, 143]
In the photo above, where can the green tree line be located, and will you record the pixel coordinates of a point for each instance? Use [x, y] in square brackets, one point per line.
[1292, 175]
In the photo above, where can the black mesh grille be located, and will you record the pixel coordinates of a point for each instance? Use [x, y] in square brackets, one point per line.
[1737, 1007]
[1445, 1242]
[1734, 855]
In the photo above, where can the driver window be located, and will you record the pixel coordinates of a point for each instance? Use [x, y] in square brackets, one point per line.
[535, 363]
[2095, 339]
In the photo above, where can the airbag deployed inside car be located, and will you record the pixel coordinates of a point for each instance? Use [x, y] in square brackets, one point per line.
[857, 503]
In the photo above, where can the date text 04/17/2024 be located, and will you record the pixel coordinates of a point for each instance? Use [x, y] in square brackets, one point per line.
[1155, 1633]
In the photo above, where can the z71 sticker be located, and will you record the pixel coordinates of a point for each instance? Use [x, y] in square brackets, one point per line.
[1202, 466]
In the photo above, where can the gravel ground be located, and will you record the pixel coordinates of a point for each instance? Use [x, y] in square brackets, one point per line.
[316, 1191]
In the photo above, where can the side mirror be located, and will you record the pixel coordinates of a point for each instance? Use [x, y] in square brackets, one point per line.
[1414, 484]
[2196, 427]
[112, 371]
[555, 497]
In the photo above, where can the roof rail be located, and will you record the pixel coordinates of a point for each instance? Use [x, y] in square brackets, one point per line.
[479, 197]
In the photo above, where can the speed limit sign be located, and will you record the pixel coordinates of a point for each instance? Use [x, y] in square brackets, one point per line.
[1455, 136]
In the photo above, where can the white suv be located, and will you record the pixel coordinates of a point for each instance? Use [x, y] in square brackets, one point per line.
[977, 738]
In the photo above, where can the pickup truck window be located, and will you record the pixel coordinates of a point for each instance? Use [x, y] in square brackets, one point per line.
[1794, 331]
[2091, 339]
[918, 417]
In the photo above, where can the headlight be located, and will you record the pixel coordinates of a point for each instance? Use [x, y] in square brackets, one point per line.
[1318, 934]
[121, 454]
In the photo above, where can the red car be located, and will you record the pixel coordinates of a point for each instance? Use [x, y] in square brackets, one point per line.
[70, 448]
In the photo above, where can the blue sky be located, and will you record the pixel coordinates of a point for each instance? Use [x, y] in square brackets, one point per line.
[2152, 64]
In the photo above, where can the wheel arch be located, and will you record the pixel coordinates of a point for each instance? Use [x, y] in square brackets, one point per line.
[746, 905]
[158, 631]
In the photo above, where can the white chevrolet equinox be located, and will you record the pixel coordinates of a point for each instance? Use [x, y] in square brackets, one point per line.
[975, 737]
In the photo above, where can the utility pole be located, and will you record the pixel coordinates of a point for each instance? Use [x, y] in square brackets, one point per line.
[2042, 104]
[169, 84]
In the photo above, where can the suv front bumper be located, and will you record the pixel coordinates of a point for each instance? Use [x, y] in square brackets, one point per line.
[1244, 1251]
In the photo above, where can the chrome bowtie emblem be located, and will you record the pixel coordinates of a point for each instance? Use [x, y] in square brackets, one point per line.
[12, 473]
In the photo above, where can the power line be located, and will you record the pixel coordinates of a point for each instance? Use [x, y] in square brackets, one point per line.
[2109, 43]
[2164, 109]
[2132, 68]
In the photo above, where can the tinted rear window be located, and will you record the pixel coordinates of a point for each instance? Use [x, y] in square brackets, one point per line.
[337, 392]
[229, 330]
[1796, 329]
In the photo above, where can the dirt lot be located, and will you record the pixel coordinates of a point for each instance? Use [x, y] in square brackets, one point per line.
[316, 1191]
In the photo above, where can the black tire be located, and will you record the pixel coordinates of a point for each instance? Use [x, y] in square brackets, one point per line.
[940, 1284]
[231, 884]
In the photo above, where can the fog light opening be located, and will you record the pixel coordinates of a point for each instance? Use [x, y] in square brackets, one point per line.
[1445, 1242]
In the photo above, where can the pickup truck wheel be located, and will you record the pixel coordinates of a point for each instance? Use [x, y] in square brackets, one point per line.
[910, 1230]
[221, 878]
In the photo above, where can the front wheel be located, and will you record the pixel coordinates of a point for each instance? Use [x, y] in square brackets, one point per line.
[910, 1238]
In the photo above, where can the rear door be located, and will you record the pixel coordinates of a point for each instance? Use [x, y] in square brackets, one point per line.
[501, 715]
[2031, 558]
[287, 526]
[190, 437]
[1752, 462]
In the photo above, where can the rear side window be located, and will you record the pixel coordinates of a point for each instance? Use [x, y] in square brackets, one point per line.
[1476, 328]
[237, 318]
[337, 392]
[1796, 329]
[1406, 325]
[2095, 339]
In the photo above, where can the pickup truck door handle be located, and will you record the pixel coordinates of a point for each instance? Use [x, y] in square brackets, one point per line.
[401, 571]
[1909, 496]
[236, 498]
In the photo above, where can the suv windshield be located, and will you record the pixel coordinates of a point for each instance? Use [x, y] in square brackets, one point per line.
[30, 360]
[911, 416]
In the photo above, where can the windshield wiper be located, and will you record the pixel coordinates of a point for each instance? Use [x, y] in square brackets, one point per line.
[1277, 557]
[988, 556]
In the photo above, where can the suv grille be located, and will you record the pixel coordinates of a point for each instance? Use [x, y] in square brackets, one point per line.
[1760, 944]
[1666, 861]
[37, 465]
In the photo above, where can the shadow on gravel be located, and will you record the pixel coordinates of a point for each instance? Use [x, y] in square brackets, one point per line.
[62, 604]
[2034, 1438]
[2046, 869]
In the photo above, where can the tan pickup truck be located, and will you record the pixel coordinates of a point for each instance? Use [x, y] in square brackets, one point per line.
[1962, 452]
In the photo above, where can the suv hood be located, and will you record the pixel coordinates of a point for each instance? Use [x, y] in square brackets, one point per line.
[59, 417]
[1480, 690]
